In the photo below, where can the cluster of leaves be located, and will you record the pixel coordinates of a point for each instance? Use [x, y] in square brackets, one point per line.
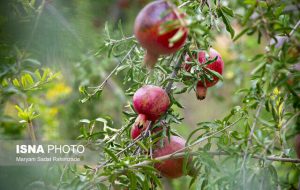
[21, 77]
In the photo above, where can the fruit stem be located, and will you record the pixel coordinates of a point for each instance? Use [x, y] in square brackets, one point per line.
[150, 60]
[201, 92]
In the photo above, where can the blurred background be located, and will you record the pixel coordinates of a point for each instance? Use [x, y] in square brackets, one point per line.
[64, 36]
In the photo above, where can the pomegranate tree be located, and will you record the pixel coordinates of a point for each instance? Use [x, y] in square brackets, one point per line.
[150, 102]
[172, 168]
[216, 66]
[155, 26]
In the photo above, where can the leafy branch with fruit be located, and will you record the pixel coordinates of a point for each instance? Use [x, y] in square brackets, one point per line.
[171, 54]
[178, 59]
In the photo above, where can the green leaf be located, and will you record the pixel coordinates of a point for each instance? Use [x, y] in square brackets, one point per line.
[85, 121]
[185, 163]
[256, 57]
[16, 83]
[177, 103]
[154, 177]
[177, 36]
[208, 160]
[240, 34]
[249, 13]
[121, 68]
[209, 61]
[111, 154]
[180, 91]
[104, 121]
[22, 121]
[46, 73]
[226, 22]
[38, 74]
[227, 10]
[263, 4]
[18, 108]
[192, 181]
[258, 68]
[215, 73]
[169, 26]
[33, 62]
[133, 179]
[279, 10]
[84, 100]
[28, 79]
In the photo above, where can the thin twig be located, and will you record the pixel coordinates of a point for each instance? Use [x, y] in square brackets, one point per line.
[249, 142]
[290, 120]
[100, 87]
[177, 66]
[290, 35]
[294, 29]
[150, 149]
[31, 131]
[206, 137]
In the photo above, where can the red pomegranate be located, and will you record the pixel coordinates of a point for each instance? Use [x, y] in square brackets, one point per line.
[172, 168]
[152, 101]
[150, 22]
[297, 145]
[141, 123]
[217, 66]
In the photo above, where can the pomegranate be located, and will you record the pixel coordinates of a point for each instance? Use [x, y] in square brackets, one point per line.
[152, 101]
[172, 168]
[149, 24]
[297, 145]
[141, 123]
[217, 66]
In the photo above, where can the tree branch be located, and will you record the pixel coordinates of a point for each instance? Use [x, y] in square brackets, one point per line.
[177, 66]
[249, 142]
[206, 137]
[31, 131]
[100, 87]
[213, 153]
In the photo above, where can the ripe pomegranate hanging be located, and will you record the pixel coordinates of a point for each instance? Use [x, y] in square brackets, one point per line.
[152, 101]
[216, 66]
[156, 25]
[172, 168]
